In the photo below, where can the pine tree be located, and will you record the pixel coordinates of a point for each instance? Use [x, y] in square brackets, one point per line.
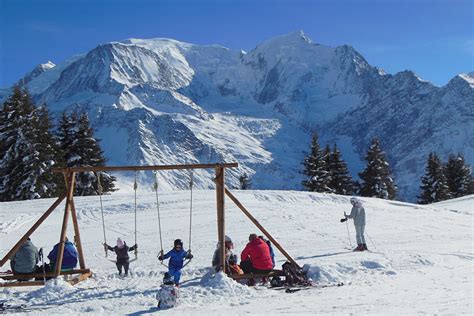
[80, 148]
[315, 169]
[458, 175]
[376, 177]
[28, 151]
[245, 182]
[340, 179]
[434, 186]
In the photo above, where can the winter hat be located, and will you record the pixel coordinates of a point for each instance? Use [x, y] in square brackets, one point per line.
[227, 239]
[168, 279]
[178, 242]
[356, 202]
[252, 237]
[120, 243]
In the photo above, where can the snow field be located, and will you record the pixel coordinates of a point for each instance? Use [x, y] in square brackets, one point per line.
[420, 259]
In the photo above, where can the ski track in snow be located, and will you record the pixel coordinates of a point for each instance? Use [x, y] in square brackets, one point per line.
[422, 261]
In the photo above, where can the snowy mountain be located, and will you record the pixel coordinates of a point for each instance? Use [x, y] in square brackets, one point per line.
[162, 101]
[420, 258]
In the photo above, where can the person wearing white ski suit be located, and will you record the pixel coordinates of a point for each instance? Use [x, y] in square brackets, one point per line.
[358, 215]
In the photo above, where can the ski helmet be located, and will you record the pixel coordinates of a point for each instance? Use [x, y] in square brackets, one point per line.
[178, 242]
[167, 279]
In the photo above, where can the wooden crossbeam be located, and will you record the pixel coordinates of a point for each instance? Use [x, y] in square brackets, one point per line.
[144, 168]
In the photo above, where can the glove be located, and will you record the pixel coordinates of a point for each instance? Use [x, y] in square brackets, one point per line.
[343, 220]
[135, 246]
[189, 256]
[160, 257]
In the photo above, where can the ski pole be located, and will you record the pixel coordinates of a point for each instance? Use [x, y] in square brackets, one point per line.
[373, 244]
[348, 234]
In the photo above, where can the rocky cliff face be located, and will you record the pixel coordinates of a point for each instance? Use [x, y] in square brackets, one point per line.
[162, 101]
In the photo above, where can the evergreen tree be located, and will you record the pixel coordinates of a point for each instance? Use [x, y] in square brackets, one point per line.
[434, 186]
[27, 148]
[458, 175]
[376, 177]
[245, 182]
[65, 134]
[80, 148]
[315, 169]
[340, 179]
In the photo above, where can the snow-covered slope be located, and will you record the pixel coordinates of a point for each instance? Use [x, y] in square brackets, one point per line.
[174, 102]
[420, 259]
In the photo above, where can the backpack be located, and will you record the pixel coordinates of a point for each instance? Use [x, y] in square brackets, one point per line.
[294, 275]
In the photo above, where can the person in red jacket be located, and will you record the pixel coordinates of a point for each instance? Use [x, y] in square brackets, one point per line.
[256, 258]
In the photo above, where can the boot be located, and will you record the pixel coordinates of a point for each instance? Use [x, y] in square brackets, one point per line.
[359, 248]
[364, 247]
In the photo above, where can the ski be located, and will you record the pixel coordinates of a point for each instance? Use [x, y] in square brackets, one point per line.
[296, 288]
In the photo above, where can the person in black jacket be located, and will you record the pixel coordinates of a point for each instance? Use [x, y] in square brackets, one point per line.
[121, 250]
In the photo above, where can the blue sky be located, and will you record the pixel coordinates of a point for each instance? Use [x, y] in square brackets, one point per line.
[433, 38]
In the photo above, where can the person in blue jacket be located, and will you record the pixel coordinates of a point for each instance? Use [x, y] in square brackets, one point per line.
[69, 257]
[177, 256]
[272, 253]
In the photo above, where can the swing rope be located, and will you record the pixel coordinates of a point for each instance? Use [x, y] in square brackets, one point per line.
[191, 183]
[99, 188]
[135, 187]
[155, 187]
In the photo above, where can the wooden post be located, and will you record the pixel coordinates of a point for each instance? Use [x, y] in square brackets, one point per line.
[62, 239]
[220, 198]
[77, 234]
[32, 229]
[262, 229]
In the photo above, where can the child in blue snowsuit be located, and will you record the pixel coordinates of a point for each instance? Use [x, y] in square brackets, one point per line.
[177, 256]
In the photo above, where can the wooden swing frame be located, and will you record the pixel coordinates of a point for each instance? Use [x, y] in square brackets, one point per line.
[84, 273]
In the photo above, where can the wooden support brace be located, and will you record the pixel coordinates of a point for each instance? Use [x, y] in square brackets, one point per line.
[62, 239]
[262, 229]
[80, 278]
[32, 229]
[77, 235]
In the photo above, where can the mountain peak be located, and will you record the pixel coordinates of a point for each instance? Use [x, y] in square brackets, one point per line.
[466, 77]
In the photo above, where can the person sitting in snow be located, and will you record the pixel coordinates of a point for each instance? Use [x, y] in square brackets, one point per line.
[69, 256]
[25, 259]
[121, 250]
[167, 295]
[256, 258]
[358, 215]
[231, 266]
[177, 256]
[272, 253]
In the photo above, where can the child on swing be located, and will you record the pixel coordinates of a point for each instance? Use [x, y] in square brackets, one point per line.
[177, 256]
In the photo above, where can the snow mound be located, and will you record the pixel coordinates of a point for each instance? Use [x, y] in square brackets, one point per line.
[221, 282]
[328, 274]
[53, 290]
